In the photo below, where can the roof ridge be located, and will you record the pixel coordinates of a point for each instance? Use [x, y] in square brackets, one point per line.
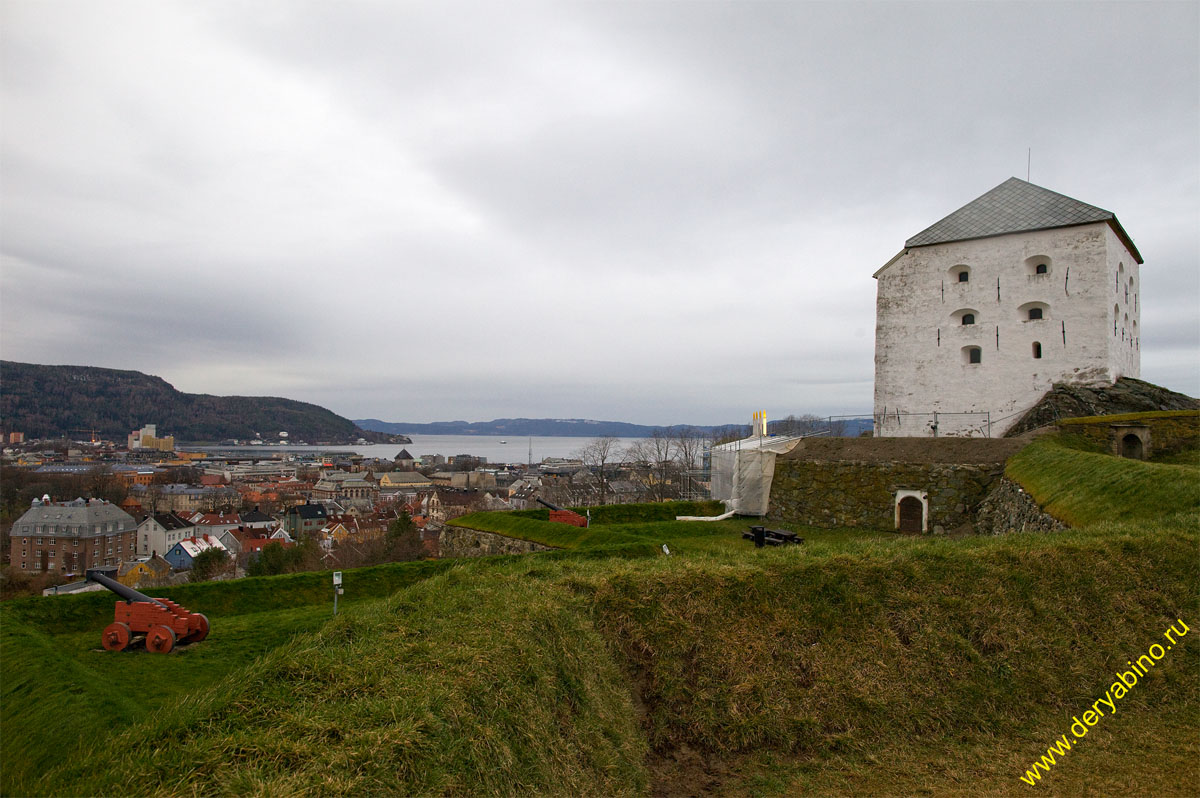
[1014, 206]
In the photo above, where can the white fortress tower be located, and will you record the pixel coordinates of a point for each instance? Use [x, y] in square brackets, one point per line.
[981, 313]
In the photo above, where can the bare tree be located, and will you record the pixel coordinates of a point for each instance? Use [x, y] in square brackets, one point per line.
[729, 433]
[689, 447]
[102, 483]
[152, 498]
[690, 444]
[657, 453]
[597, 454]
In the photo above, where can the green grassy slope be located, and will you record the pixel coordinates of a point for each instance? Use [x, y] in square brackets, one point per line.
[614, 525]
[59, 690]
[1084, 487]
[473, 682]
[858, 662]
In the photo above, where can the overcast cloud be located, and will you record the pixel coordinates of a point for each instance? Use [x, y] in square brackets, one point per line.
[642, 211]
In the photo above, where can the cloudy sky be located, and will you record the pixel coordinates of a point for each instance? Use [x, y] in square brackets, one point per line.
[657, 212]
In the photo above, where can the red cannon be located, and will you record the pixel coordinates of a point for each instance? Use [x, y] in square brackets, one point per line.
[163, 622]
[562, 516]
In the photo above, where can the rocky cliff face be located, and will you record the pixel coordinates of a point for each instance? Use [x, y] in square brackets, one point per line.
[1126, 395]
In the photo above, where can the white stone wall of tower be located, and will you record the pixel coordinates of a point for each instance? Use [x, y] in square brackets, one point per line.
[921, 363]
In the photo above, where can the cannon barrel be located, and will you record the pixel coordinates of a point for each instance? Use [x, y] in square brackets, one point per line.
[124, 591]
[545, 503]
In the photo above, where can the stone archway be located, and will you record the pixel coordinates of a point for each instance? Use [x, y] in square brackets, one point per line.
[1130, 440]
[912, 513]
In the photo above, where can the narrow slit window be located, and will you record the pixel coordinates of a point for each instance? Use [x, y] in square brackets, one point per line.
[1037, 350]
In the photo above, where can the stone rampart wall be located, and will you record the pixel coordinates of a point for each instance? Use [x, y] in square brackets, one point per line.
[1170, 431]
[456, 541]
[863, 494]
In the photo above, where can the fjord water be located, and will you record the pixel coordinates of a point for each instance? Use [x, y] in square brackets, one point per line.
[493, 447]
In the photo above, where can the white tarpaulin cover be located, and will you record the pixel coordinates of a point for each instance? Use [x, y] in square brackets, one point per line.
[742, 472]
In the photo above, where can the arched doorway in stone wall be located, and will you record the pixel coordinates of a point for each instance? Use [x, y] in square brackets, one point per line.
[911, 509]
[1131, 447]
[912, 514]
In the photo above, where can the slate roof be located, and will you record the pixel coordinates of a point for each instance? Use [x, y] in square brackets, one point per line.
[80, 516]
[1016, 206]
[307, 511]
[171, 521]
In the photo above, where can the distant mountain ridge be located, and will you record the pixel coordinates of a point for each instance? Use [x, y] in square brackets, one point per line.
[516, 427]
[53, 401]
[552, 427]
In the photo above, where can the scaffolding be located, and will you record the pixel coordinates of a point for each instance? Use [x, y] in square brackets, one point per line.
[742, 471]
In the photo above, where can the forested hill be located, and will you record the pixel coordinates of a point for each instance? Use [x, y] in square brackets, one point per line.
[53, 401]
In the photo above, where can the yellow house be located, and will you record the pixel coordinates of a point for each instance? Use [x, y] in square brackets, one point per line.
[338, 533]
[147, 572]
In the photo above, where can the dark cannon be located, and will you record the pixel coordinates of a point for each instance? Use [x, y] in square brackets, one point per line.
[545, 503]
[770, 537]
[162, 621]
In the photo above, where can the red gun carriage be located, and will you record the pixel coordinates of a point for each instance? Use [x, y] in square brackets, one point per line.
[162, 621]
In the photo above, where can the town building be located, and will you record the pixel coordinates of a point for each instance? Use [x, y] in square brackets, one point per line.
[350, 489]
[304, 519]
[178, 497]
[183, 554]
[404, 461]
[69, 537]
[403, 482]
[984, 311]
[147, 438]
[144, 572]
[159, 532]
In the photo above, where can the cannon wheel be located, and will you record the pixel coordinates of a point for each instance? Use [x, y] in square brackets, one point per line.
[160, 639]
[116, 636]
[201, 630]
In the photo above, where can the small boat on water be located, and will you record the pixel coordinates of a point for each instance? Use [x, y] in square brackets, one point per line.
[504, 441]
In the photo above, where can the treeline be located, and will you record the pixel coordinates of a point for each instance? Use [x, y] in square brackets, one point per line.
[73, 401]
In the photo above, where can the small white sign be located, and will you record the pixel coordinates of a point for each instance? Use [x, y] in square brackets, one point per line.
[337, 578]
